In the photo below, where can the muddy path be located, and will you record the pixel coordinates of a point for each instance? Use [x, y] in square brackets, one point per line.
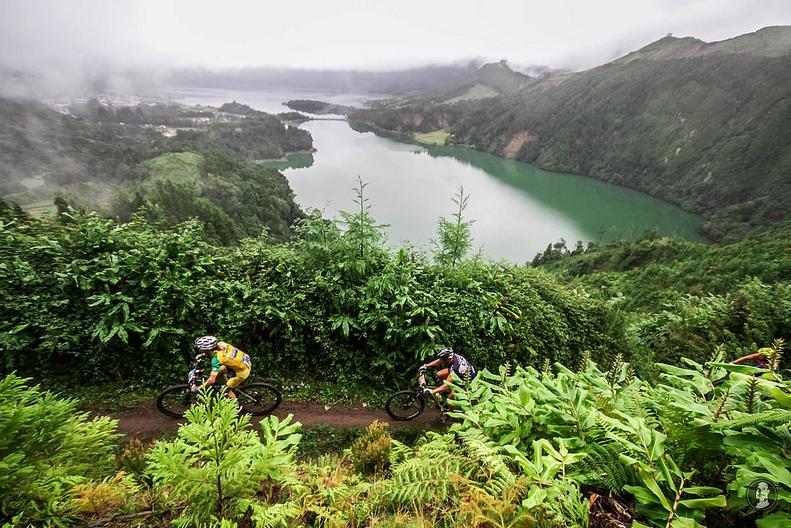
[145, 421]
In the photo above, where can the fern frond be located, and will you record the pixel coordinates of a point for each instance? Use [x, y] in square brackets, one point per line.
[398, 452]
[489, 463]
[422, 480]
[634, 403]
[602, 466]
[771, 417]
[273, 515]
[751, 396]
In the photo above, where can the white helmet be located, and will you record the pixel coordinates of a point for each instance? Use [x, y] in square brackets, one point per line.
[445, 353]
[206, 343]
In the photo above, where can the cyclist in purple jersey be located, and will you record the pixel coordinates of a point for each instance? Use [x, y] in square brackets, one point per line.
[762, 359]
[453, 367]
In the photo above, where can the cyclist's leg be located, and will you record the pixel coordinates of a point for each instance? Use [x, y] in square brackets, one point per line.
[445, 376]
[240, 376]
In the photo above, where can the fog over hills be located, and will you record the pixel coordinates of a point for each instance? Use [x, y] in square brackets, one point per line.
[49, 47]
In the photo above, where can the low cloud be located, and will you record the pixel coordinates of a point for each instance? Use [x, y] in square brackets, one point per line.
[68, 46]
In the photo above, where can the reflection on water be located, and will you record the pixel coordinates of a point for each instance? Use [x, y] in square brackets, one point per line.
[299, 160]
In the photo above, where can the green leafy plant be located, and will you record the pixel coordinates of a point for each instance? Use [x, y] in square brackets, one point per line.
[47, 449]
[454, 239]
[370, 452]
[218, 467]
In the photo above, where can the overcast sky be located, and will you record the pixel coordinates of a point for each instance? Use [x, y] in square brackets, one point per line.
[575, 34]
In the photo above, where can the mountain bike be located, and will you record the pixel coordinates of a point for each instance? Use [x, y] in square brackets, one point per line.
[257, 398]
[409, 404]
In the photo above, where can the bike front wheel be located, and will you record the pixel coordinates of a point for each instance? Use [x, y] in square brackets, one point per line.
[405, 405]
[174, 401]
[258, 398]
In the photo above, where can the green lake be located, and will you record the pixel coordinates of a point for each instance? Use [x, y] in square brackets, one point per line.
[518, 209]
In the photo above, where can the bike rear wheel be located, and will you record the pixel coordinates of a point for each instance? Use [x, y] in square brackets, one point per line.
[258, 398]
[174, 401]
[405, 405]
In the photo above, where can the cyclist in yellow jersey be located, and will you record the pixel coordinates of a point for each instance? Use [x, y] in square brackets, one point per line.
[224, 357]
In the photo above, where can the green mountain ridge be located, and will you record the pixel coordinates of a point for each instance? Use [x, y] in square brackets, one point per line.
[701, 125]
[774, 41]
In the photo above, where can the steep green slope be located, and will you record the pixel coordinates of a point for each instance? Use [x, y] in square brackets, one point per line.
[680, 297]
[650, 271]
[701, 125]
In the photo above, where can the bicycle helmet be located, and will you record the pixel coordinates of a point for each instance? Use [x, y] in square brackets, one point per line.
[445, 353]
[206, 343]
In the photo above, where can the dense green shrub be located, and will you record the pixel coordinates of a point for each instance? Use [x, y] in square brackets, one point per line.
[47, 448]
[90, 299]
[675, 447]
[369, 453]
[102, 300]
[218, 468]
[97, 300]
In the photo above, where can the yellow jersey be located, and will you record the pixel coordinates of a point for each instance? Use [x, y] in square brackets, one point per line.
[230, 356]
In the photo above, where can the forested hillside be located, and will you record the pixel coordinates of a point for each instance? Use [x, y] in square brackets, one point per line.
[680, 297]
[702, 125]
[168, 161]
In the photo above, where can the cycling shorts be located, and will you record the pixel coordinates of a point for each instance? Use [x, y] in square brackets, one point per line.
[240, 376]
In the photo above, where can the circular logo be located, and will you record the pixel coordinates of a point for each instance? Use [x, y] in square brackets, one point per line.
[761, 494]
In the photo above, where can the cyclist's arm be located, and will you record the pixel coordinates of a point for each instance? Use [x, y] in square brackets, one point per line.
[216, 369]
[746, 358]
[433, 364]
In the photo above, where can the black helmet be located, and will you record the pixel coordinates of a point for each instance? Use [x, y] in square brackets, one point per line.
[445, 353]
[206, 343]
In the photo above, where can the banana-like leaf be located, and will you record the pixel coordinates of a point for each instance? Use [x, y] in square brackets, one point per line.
[709, 502]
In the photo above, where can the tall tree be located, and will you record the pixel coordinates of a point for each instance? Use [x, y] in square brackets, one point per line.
[454, 235]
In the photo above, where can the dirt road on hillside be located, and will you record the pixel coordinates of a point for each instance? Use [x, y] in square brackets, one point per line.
[146, 422]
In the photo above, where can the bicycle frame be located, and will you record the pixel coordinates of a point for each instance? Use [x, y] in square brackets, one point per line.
[439, 401]
[193, 379]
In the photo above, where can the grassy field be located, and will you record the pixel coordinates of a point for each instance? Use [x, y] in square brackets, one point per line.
[32, 183]
[178, 167]
[437, 137]
[35, 194]
[295, 160]
[478, 91]
[40, 208]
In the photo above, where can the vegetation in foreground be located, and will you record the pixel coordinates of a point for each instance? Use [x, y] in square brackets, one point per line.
[333, 301]
[552, 448]
[94, 300]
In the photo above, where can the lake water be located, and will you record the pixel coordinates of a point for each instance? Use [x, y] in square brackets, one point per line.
[518, 209]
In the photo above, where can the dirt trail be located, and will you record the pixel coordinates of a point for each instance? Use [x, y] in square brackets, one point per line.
[145, 421]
